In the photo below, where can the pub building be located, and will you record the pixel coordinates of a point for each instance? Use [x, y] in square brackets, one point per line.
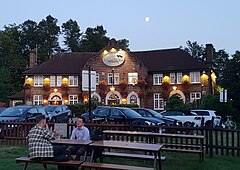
[146, 78]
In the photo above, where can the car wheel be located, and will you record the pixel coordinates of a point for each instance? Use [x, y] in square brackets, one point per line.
[208, 124]
[187, 124]
[53, 120]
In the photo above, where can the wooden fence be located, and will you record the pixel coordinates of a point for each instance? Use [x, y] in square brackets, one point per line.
[217, 141]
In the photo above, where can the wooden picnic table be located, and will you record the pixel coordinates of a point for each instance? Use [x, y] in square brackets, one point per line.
[191, 147]
[73, 142]
[146, 147]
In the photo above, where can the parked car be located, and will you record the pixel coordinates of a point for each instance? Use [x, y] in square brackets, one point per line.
[208, 114]
[187, 118]
[120, 114]
[21, 114]
[58, 113]
[152, 113]
[2, 109]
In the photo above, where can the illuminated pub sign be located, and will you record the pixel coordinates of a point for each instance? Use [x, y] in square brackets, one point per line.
[113, 59]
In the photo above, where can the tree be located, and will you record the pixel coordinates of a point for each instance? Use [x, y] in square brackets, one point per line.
[195, 50]
[231, 79]
[175, 103]
[220, 59]
[12, 62]
[48, 38]
[29, 35]
[72, 35]
[94, 39]
[124, 43]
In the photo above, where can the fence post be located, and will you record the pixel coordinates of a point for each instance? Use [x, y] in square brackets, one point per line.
[211, 137]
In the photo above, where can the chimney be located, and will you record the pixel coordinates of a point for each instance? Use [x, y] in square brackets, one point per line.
[209, 53]
[32, 59]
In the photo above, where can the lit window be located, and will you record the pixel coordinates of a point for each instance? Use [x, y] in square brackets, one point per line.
[73, 99]
[38, 80]
[132, 78]
[59, 81]
[195, 96]
[158, 102]
[157, 79]
[37, 100]
[73, 80]
[52, 81]
[195, 77]
[172, 78]
[179, 78]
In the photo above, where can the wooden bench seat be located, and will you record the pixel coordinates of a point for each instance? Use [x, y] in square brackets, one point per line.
[27, 160]
[129, 155]
[193, 151]
[112, 166]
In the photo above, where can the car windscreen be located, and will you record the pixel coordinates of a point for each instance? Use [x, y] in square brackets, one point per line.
[50, 108]
[130, 113]
[155, 113]
[14, 112]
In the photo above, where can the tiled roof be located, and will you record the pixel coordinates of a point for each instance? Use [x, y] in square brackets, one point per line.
[169, 60]
[17, 96]
[155, 61]
[62, 63]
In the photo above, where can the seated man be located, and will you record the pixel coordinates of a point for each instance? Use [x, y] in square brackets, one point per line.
[79, 133]
[39, 142]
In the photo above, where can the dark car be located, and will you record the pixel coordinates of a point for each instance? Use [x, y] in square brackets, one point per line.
[120, 115]
[152, 113]
[58, 113]
[2, 109]
[22, 113]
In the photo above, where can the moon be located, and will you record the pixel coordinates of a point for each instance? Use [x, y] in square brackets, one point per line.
[147, 19]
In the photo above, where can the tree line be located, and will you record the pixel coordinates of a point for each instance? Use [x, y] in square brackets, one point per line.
[17, 40]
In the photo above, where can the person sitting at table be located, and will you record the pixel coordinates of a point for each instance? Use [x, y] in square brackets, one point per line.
[39, 142]
[79, 133]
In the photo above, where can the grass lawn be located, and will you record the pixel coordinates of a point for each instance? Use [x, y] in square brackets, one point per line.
[174, 161]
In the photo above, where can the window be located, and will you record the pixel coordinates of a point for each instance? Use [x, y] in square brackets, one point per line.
[133, 99]
[37, 100]
[179, 78]
[195, 96]
[73, 80]
[158, 102]
[97, 78]
[110, 78]
[73, 99]
[116, 78]
[38, 80]
[132, 78]
[59, 81]
[195, 77]
[157, 79]
[52, 81]
[172, 78]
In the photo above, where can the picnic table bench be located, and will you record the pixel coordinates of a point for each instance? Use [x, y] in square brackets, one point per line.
[176, 143]
[27, 161]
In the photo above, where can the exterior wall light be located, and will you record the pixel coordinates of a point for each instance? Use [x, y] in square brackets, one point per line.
[55, 90]
[174, 88]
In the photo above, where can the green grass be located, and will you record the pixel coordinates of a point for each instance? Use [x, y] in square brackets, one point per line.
[174, 161]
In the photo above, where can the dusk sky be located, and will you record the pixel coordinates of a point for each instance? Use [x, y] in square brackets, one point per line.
[147, 24]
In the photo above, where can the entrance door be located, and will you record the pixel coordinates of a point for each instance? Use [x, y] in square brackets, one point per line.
[113, 99]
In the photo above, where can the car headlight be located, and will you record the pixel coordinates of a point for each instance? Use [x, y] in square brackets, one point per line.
[149, 123]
